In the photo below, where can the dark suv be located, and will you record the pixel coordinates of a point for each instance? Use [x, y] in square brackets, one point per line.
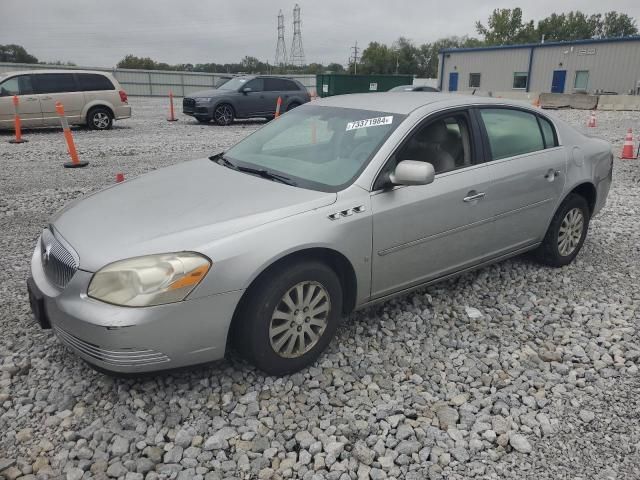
[245, 97]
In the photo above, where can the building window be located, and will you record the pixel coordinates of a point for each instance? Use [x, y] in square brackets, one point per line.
[520, 79]
[474, 80]
[582, 80]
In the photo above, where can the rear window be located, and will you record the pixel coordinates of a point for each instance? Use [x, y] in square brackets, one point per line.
[275, 84]
[548, 132]
[93, 82]
[54, 83]
[291, 85]
[511, 132]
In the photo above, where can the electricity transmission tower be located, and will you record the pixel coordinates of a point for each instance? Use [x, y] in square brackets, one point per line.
[297, 52]
[281, 48]
[354, 58]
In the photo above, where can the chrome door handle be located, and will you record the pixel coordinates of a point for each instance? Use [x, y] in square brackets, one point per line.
[47, 98]
[552, 174]
[472, 196]
[31, 99]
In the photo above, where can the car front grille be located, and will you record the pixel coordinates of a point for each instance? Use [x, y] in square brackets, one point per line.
[58, 262]
[188, 104]
[126, 357]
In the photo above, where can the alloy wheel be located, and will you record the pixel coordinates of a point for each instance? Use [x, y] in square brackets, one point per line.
[570, 232]
[299, 319]
[223, 114]
[100, 120]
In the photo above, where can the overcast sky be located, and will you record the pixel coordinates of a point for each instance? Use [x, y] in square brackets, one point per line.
[101, 32]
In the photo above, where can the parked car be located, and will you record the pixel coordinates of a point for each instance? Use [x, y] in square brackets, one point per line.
[336, 205]
[414, 88]
[94, 99]
[245, 97]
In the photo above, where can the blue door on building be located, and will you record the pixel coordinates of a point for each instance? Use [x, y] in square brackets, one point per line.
[559, 77]
[453, 81]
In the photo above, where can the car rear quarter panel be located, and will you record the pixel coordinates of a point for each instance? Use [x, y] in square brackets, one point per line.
[240, 258]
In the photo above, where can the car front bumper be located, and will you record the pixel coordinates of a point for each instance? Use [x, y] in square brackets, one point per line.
[126, 339]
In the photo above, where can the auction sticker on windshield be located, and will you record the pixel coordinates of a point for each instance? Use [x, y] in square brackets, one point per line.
[370, 122]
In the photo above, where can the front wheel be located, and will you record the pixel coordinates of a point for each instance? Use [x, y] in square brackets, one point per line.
[289, 317]
[567, 232]
[292, 105]
[223, 114]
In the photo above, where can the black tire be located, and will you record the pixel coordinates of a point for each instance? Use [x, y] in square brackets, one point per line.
[99, 118]
[292, 105]
[203, 119]
[253, 321]
[224, 114]
[269, 118]
[549, 252]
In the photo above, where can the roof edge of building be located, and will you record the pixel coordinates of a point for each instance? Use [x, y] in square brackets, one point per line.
[633, 38]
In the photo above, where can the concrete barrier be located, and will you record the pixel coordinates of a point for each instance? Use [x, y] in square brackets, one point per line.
[563, 100]
[619, 102]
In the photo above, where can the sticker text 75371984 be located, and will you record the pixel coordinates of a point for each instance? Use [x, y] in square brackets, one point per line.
[370, 122]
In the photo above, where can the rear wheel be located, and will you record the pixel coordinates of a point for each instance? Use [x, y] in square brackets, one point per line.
[292, 105]
[223, 114]
[567, 232]
[289, 317]
[99, 118]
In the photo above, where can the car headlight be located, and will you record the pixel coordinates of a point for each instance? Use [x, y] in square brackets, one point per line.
[149, 280]
[203, 99]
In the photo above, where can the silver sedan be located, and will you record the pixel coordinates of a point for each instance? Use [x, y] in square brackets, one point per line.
[337, 204]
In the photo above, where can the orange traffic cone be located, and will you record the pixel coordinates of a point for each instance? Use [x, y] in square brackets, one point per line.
[536, 102]
[592, 120]
[628, 150]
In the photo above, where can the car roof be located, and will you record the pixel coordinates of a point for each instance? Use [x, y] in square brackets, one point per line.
[401, 103]
[44, 70]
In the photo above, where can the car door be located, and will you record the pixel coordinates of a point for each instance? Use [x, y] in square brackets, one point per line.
[528, 171]
[424, 232]
[251, 103]
[274, 88]
[28, 103]
[59, 87]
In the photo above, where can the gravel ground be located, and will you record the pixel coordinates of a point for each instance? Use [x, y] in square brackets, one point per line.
[542, 384]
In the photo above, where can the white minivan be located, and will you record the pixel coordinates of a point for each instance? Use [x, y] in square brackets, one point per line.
[94, 99]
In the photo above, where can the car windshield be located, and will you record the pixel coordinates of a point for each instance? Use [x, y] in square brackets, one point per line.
[234, 83]
[321, 148]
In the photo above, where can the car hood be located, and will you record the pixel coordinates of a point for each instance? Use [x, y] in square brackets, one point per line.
[183, 207]
[209, 93]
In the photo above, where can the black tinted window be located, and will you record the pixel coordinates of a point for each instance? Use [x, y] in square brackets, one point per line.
[511, 132]
[94, 81]
[256, 85]
[548, 133]
[54, 83]
[291, 85]
[20, 85]
[275, 84]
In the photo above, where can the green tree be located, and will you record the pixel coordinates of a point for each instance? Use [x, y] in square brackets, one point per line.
[618, 25]
[505, 27]
[377, 58]
[15, 54]
[131, 61]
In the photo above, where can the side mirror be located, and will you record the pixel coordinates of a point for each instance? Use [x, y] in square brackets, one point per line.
[412, 172]
[246, 90]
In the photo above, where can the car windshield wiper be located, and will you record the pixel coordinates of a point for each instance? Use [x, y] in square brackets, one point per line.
[261, 172]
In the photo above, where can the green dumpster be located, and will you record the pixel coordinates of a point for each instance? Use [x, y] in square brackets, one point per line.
[336, 84]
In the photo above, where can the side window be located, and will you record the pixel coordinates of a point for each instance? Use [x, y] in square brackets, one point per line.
[291, 86]
[93, 82]
[548, 132]
[54, 83]
[20, 85]
[256, 85]
[445, 143]
[274, 85]
[511, 132]
[10, 87]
